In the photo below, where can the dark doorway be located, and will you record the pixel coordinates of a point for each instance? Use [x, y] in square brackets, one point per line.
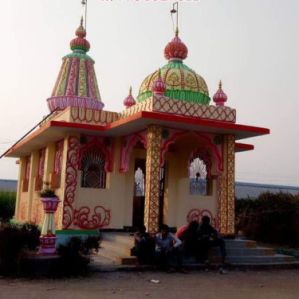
[139, 193]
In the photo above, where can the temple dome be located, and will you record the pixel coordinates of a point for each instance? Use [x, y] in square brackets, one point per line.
[76, 84]
[181, 82]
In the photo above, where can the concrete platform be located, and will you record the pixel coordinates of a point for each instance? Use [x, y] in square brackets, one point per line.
[114, 254]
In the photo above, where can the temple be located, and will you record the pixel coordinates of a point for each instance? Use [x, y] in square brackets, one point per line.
[168, 157]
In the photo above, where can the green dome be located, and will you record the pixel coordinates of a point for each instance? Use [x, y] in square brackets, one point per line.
[182, 83]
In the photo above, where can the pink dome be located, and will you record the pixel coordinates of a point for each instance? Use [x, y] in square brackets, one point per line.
[220, 97]
[176, 49]
[129, 100]
[159, 86]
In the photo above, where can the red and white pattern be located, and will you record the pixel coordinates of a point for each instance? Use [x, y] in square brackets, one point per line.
[166, 105]
[92, 116]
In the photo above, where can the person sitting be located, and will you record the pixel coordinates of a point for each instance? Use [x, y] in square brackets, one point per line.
[209, 237]
[188, 235]
[144, 246]
[168, 250]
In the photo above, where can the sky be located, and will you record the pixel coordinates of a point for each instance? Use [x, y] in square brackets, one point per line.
[252, 46]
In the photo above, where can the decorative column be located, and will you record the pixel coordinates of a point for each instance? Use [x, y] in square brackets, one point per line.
[152, 189]
[48, 237]
[226, 188]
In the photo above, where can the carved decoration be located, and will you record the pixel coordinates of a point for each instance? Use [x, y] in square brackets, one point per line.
[128, 144]
[101, 144]
[82, 217]
[208, 141]
[226, 188]
[152, 190]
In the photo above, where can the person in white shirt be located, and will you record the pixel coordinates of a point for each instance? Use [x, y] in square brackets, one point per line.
[168, 250]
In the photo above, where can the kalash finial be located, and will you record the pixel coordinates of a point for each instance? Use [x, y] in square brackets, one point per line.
[159, 86]
[129, 100]
[80, 44]
[220, 97]
[176, 49]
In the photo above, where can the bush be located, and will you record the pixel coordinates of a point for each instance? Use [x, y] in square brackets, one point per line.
[7, 205]
[15, 240]
[75, 255]
[272, 218]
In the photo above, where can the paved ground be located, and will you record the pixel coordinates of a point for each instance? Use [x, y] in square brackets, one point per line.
[272, 284]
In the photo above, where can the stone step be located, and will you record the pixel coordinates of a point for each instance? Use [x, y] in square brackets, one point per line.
[277, 258]
[120, 238]
[117, 248]
[244, 251]
[237, 243]
[116, 258]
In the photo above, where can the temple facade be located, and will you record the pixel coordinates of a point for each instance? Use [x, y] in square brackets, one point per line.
[168, 157]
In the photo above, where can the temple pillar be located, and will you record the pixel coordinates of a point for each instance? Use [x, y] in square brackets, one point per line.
[152, 189]
[226, 188]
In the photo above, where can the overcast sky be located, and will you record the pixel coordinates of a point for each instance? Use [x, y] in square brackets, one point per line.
[253, 46]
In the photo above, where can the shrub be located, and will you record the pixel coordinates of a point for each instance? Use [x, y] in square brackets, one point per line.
[75, 255]
[272, 218]
[15, 240]
[7, 205]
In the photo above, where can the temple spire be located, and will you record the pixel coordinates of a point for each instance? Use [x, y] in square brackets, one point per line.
[175, 10]
[84, 12]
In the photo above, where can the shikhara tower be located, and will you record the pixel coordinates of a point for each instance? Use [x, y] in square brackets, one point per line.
[169, 156]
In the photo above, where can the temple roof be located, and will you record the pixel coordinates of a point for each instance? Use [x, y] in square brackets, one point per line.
[76, 85]
[182, 83]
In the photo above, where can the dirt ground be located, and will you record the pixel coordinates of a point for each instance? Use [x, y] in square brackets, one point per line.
[272, 284]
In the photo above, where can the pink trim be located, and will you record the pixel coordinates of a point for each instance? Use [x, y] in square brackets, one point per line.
[100, 144]
[62, 102]
[175, 134]
[41, 162]
[58, 156]
[72, 80]
[128, 144]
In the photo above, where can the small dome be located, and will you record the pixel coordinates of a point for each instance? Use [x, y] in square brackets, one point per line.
[176, 49]
[159, 85]
[220, 97]
[80, 43]
[129, 100]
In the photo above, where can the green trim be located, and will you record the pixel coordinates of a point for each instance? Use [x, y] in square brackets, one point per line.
[76, 232]
[184, 95]
[80, 55]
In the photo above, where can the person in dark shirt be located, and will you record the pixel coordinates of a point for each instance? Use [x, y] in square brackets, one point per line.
[188, 235]
[144, 246]
[208, 237]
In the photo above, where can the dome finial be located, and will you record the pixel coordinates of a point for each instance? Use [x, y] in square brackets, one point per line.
[220, 97]
[158, 87]
[129, 100]
[80, 43]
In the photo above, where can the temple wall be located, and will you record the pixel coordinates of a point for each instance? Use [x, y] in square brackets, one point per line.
[116, 198]
[178, 201]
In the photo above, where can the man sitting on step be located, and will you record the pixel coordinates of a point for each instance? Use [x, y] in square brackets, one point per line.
[168, 250]
[144, 246]
[208, 237]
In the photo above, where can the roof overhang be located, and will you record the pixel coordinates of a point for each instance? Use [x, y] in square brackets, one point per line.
[55, 130]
